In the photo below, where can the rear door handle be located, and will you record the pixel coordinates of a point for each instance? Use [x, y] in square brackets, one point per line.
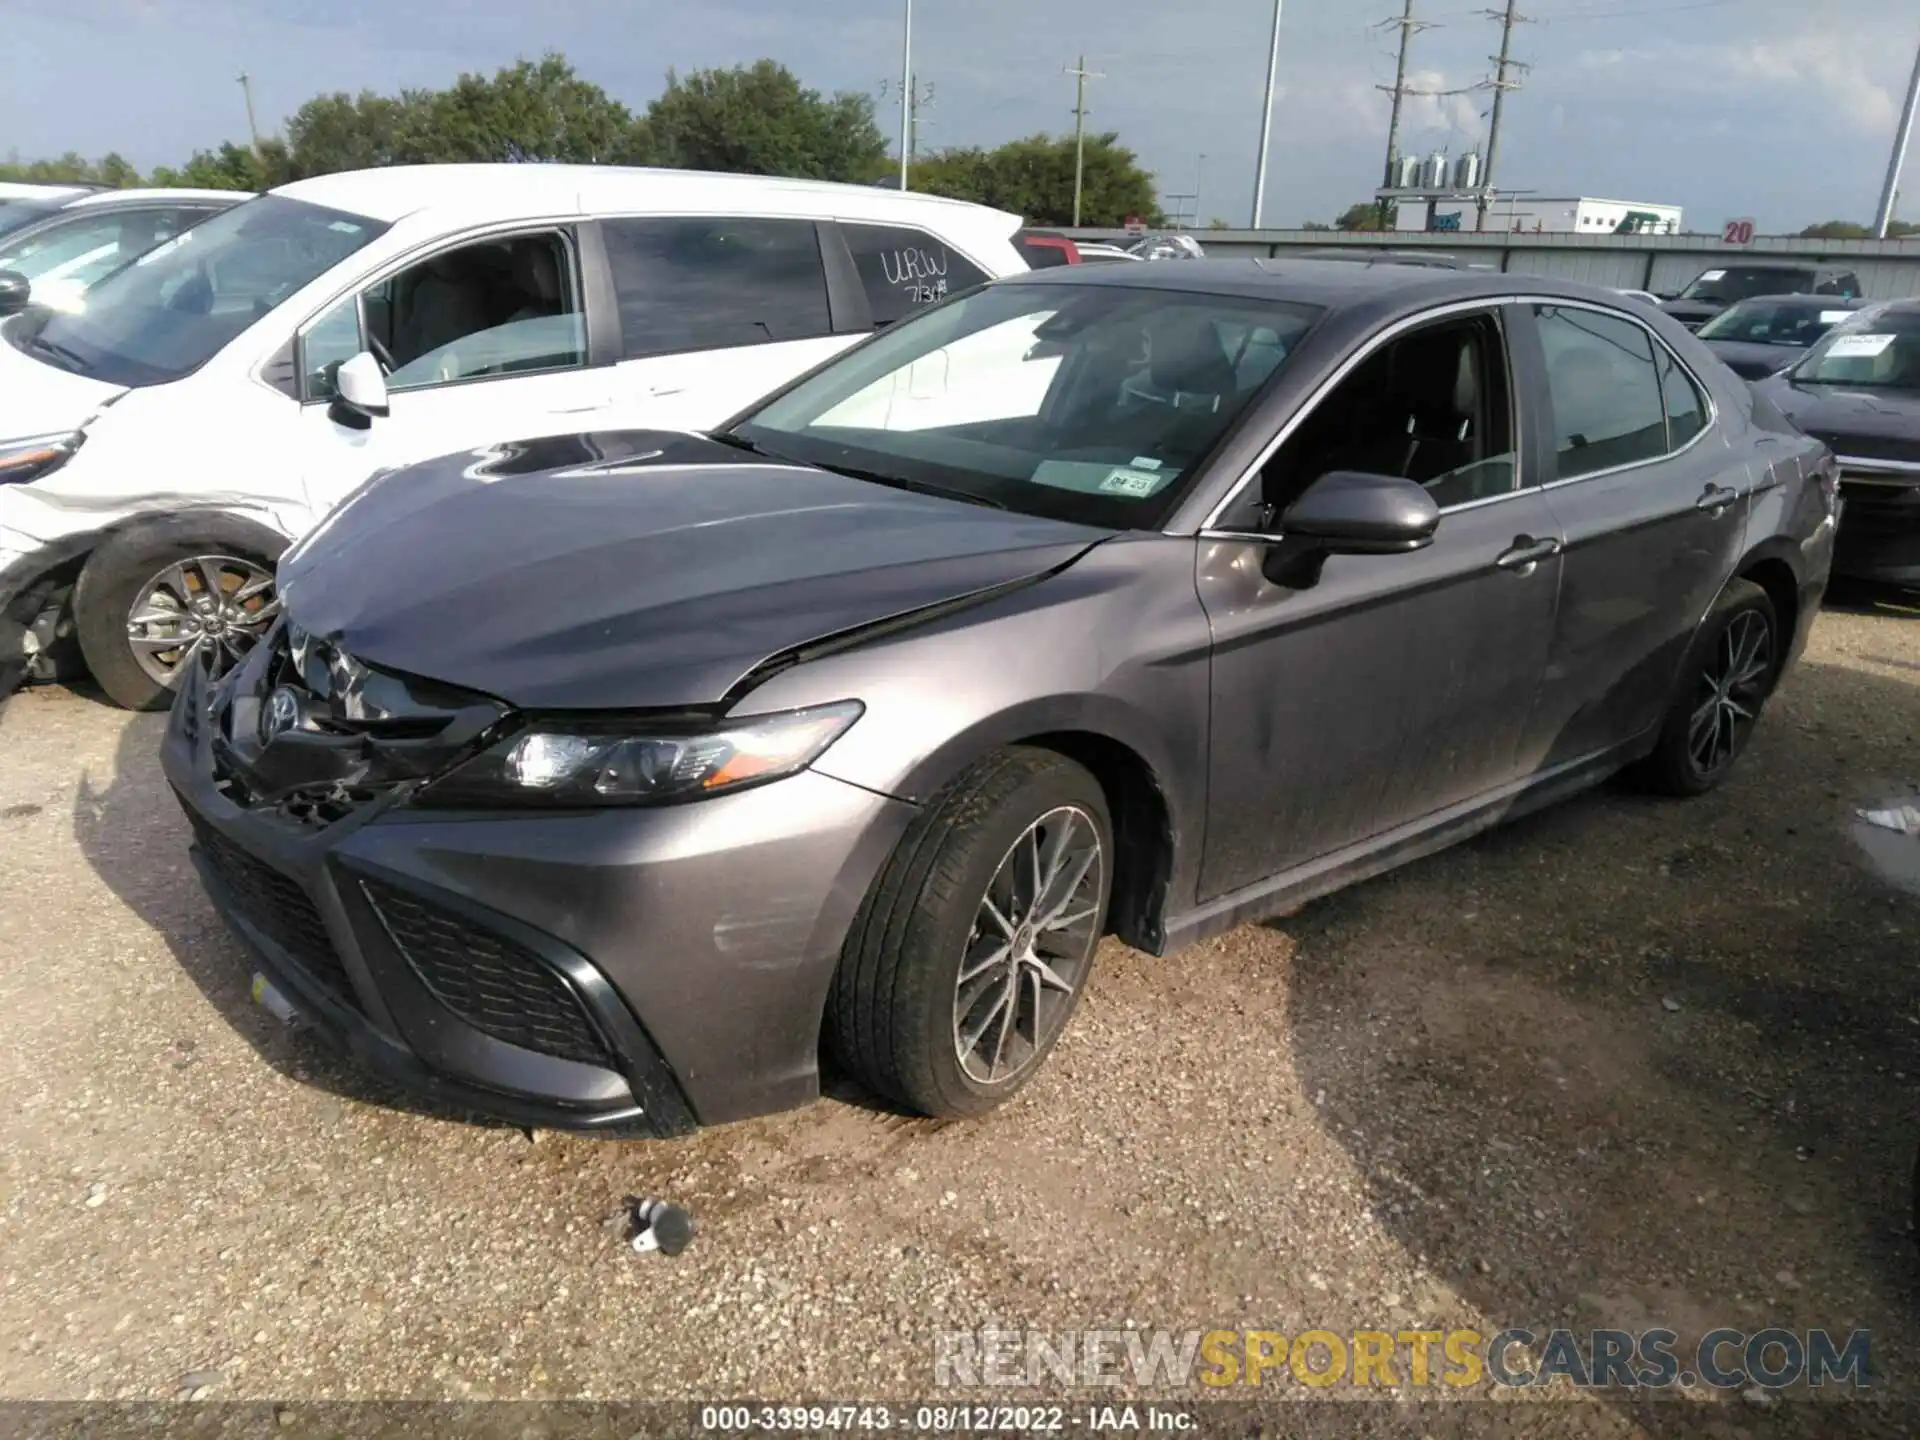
[1716, 499]
[1527, 553]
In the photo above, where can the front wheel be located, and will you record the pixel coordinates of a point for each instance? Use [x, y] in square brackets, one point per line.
[155, 599]
[973, 949]
[1724, 685]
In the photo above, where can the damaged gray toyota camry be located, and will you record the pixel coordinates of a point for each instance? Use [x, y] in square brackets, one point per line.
[615, 781]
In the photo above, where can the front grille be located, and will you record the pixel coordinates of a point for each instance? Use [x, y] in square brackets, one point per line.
[496, 985]
[278, 908]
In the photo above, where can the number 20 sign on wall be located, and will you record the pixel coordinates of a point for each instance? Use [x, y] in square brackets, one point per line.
[1737, 232]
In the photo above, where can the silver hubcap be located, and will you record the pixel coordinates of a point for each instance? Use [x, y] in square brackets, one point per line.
[218, 605]
[1732, 689]
[1032, 943]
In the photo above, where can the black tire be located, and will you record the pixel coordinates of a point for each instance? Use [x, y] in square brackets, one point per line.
[892, 1014]
[126, 561]
[1676, 766]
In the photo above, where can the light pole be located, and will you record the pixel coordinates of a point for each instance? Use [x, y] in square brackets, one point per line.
[906, 95]
[1266, 121]
[1891, 191]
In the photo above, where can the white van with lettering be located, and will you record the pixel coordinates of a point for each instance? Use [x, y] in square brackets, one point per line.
[163, 442]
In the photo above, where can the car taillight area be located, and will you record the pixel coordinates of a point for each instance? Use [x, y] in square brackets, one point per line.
[1045, 250]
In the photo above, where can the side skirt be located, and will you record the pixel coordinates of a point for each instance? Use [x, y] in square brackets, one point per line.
[1389, 851]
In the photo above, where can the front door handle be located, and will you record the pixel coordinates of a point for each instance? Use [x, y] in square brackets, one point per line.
[1527, 553]
[1716, 499]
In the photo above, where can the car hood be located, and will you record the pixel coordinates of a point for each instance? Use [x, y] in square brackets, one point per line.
[37, 398]
[636, 570]
[1753, 361]
[1880, 424]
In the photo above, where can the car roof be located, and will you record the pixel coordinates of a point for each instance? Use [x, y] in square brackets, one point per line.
[396, 192]
[108, 198]
[1326, 283]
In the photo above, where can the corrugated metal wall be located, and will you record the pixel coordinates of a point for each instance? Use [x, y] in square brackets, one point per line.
[1888, 269]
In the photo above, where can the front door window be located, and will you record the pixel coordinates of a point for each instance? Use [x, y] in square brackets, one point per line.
[495, 308]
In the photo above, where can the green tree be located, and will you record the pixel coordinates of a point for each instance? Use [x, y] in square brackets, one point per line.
[529, 112]
[1034, 178]
[759, 120]
[1836, 230]
[232, 167]
[70, 169]
[1367, 215]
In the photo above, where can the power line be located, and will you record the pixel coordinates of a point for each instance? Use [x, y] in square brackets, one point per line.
[1409, 27]
[1500, 85]
[1080, 75]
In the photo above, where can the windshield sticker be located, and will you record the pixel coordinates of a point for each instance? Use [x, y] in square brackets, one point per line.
[1137, 484]
[1144, 462]
[1851, 347]
[1833, 317]
[1711, 275]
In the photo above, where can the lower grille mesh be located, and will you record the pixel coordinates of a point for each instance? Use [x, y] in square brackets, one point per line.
[496, 985]
[278, 908]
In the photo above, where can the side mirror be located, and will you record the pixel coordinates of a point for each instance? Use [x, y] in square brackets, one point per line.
[1348, 512]
[14, 292]
[360, 393]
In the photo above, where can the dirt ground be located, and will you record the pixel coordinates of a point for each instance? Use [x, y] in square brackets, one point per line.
[1628, 1062]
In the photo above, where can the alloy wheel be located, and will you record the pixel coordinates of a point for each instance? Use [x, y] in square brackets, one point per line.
[1031, 946]
[1733, 686]
[219, 605]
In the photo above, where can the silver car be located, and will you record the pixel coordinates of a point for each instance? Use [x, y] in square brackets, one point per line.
[608, 781]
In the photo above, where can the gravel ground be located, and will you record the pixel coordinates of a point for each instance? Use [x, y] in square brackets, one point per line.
[1624, 1063]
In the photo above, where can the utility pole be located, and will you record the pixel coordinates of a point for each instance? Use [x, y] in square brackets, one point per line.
[253, 130]
[1199, 182]
[1080, 75]
[1500, 85]
[1409, 27]
[1890, 192]
[906, 97]
[1266, 121]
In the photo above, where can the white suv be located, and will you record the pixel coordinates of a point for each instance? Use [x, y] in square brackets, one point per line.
[161, 445]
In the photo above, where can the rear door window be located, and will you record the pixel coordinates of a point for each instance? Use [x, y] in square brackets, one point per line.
[903, 269]
[1607, 405]
[687, 284]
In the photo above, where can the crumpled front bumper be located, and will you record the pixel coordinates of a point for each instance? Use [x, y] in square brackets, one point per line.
[694, 943]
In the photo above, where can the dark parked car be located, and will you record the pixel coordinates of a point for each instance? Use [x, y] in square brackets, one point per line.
[1858, 391]
[1764, 336]
[1713, 290]
[598, 780]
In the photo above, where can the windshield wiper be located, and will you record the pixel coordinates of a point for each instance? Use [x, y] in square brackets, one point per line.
[67, 359]
[740, 442]
[922, 487]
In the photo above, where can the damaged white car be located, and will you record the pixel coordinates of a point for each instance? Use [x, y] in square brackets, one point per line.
[161, 444]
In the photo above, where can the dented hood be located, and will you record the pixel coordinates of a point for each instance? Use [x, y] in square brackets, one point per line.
[636, 570]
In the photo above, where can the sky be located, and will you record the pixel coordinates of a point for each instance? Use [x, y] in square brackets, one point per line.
[1783, 110]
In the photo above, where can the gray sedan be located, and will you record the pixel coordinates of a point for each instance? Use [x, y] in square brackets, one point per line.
[608, 780]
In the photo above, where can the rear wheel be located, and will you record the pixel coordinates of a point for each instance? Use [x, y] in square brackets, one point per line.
[973, 949]
[1724, 685]
[155, 599]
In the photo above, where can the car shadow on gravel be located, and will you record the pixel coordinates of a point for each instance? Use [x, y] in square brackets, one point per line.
[133, 833]
[1654, 1064]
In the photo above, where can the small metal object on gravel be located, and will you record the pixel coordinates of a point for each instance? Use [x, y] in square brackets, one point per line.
[659, 1226]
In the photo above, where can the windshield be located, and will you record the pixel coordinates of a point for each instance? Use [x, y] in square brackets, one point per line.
[171, 311]
[1880, 352]
[1774, 322]
[1723, 287]
[1085, 403]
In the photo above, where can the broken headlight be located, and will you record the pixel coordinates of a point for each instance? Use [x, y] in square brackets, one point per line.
[563, 765]
[35, 456]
